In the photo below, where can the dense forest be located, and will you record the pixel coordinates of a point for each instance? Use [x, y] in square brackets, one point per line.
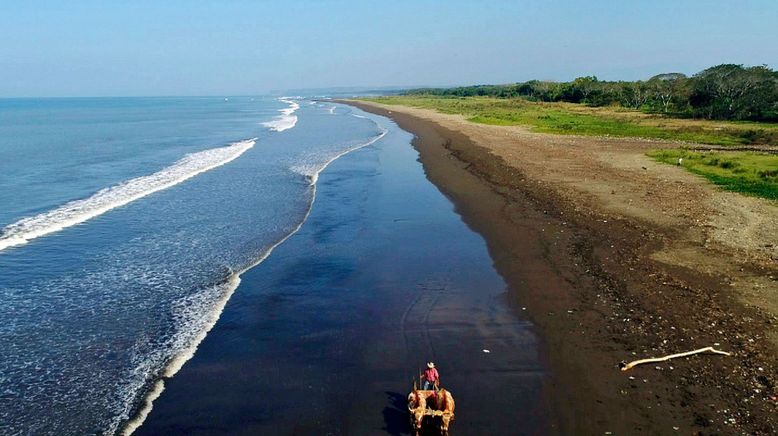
[725, 92]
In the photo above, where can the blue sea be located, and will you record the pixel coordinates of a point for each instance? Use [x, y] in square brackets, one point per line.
[125, 224]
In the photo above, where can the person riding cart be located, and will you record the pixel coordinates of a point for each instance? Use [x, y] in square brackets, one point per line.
[430, 378]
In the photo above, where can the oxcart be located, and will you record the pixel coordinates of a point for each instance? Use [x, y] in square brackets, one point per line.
[430, 408]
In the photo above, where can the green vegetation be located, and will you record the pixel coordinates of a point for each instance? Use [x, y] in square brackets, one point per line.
[577, 119]
[749, 173]
[723, 92]
[726, 105]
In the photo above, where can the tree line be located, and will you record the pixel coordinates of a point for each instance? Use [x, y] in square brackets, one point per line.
[724, 92]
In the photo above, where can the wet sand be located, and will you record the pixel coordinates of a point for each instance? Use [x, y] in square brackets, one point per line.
[326, 335]
[617, 258]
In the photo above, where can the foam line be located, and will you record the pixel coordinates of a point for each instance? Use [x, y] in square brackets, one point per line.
[312, 172]
[287, 119]
[177, 361]
[78, 211]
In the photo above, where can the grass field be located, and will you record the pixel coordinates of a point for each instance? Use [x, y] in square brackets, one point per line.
[576, 119]
[749, 173]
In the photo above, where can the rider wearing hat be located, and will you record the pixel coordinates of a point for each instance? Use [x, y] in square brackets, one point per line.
[430, 377]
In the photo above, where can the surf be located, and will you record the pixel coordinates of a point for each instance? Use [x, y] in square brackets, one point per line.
[287, 119]
[200, 312]
[79, 211]
[311, 171]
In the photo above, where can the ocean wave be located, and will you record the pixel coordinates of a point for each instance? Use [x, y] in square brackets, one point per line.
[311, 170]
[194, 327]
[78, 211]
[287, 119]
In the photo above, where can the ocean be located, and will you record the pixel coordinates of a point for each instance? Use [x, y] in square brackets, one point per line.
[326, 336]
[125, 224]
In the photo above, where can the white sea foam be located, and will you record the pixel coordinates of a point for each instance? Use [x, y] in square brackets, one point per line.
[287, 119]
[193, 326]
[78, 211]
[192, 330]
[312, 170]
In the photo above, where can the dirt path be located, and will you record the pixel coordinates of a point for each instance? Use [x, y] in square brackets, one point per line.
[631, 259]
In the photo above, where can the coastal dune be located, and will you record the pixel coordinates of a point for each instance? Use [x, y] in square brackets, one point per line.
[616, 257]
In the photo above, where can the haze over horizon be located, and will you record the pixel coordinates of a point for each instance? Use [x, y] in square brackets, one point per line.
[146, 48]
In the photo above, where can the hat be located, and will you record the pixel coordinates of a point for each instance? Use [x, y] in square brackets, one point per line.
[430, 364]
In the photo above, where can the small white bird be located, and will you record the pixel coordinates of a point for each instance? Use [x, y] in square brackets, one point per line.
[680, 161]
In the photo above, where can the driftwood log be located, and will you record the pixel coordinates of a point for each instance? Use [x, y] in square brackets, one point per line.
[627, 366]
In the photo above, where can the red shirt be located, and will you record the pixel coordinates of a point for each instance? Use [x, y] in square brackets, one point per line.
[431, 374]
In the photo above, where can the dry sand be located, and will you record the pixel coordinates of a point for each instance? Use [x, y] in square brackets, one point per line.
[616, 257]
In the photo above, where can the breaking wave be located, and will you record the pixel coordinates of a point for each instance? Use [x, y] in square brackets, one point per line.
[315, 166]
[189, 311]
[78, 211]
[287, 119]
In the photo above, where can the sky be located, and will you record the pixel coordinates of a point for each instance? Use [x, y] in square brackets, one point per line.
[176, 47]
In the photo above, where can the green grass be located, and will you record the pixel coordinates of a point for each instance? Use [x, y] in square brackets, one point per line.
[568, 118]
[748, 173]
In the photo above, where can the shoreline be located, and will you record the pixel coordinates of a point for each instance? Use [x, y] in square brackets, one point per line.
[614, 298]
[326, 334]
[145, 404]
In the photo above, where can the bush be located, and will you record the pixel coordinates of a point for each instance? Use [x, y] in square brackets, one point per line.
[727, 92]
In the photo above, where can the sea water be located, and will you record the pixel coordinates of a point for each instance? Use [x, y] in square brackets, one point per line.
[125, 224]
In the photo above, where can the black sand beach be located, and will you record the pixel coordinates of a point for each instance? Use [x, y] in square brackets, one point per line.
[590, 284]
[326, 335]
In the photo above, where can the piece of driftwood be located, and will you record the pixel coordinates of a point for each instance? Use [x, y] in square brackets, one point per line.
[630, 365]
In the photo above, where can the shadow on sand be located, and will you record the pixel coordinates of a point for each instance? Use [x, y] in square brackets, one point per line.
[396, 419]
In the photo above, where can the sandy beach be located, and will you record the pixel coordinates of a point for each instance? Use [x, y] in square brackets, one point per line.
[614, 257]
[278, 217]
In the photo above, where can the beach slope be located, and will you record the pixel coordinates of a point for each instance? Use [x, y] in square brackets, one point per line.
[615, 258]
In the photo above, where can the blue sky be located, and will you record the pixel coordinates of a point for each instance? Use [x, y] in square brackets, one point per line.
[171, 47]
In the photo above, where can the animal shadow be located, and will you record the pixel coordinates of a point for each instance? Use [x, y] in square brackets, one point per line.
[396, 420]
